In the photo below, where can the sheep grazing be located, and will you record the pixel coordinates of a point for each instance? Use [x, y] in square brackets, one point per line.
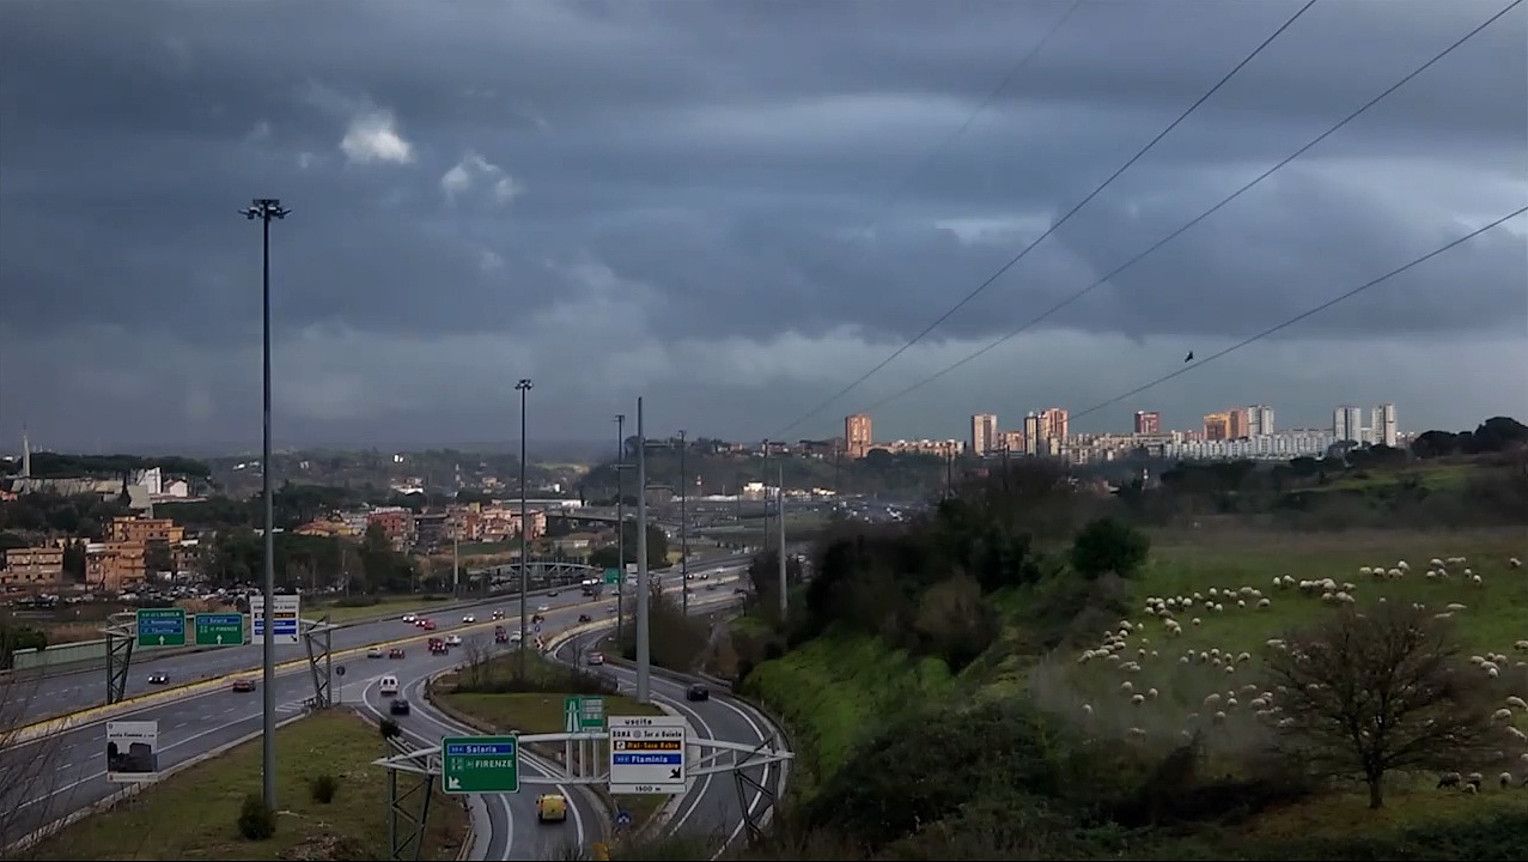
[1468, 573]
[1477, 659]
[1219, 607]
[1472, 788]
[1455, 606]
[1264, 604]
[1183, 659]
[1435, 563]
[1514, 700]
[1198, 597]
[1474, 778]
[1245, 656]
[1087, 710]
[1492, 672]
[1505, 778]
[1328, 597]
[1259, 703]
[1241, 603]
[1286, 722]
[1364, 570]
[1502, 714]
[1403, 565]
[1349, 586]
[1279, 582]
[1220, 717]
[1195, 621]
[1394, 574]
[1127, 686]
[1449, 779]
[1137, 699]
[1514, 563]
[1211, 699]
[1448, 615]
[1477, 580]
[1517, 734]
[1230, 668]
[1214, 592]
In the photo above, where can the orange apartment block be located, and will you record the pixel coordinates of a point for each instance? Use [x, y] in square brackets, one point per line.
[33, 566]
[114, 565]
[144, 530]
[396, 521]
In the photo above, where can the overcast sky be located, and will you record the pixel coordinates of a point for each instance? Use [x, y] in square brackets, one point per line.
[735, 209]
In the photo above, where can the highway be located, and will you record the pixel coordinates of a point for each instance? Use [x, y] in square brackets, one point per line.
[57, 694]
[64, 772]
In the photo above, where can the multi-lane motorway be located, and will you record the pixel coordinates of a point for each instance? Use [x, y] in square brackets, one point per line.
[65, 770]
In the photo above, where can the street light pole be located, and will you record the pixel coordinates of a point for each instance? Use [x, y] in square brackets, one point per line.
[523, 387]
[684, 536]
[266, 209]
[764, 475]
[780, 513]
[643, 656]
[620, 525]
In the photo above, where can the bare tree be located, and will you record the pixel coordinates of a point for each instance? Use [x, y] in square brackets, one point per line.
[28, 765]
[1370, 691]
[475, 667]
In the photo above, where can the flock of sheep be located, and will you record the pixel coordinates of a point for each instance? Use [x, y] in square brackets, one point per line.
[1127, 649]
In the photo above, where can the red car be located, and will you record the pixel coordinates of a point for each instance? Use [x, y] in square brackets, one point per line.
[429, 625]
[395, 652]
[438, 646]
[245, 684]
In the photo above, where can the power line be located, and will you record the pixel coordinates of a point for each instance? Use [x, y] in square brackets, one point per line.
[1196, 219]
[1304, 314]
[1052, 229]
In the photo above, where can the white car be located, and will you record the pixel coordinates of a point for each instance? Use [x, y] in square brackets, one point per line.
[469, 618]
[454, 640]
[408, 618]
[374, 652]
[541, 609]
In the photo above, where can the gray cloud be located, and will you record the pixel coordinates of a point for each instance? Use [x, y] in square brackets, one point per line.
[713, 183]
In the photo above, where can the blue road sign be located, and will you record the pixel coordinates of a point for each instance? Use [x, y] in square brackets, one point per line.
[623, 818]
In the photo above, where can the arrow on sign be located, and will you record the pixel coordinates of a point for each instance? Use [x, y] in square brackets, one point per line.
[674, 773]
[220, 640]
[161, 640]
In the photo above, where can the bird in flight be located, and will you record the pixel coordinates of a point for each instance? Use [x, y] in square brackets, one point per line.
[1189, 357]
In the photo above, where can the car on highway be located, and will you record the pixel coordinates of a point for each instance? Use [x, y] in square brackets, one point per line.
[551, 808]
[158, 677]
[388, 685]
[374, 652]
[399, 706]
[498, 615]
[244, 684]
[419, 622]
[710, 586]
[541, 609]
[585, 618]
[739, 591]
[395, 652]
[454, 640]
[408, 618]
[469, 618]
[429, 625]
[697, 692]
[596, 658]
[551, 592]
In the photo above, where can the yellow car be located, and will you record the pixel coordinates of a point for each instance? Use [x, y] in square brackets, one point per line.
[551, 807]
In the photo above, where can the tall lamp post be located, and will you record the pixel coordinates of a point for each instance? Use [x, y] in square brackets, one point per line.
[523, 387]
[266, 209]
[684, 536]
[620, 524]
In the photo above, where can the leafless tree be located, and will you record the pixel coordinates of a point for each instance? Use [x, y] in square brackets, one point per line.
[475, 667]
[1371, 691]
[28, 773]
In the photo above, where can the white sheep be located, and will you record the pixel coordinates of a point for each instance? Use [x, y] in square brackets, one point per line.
[1136, 732]
[1514, 700]
[1137, 699]
[1435, 563]
[1286, 722]
[1394, 574]
[1477, 659]
[1455, 606]
[1127, 686]
[1214, 592]
[1364, 570]
[1328, 597]
[1151, 693]
[1241, 603]
[1477, 580]
[1211, 699]
[1264, 604]
[1492, 673]
[1514, 562]
[1219, 607]
[1243, 656]
[1448, 615]
[1403, 565]
[1230, 668]
[1502, 714]
[1183, 659]
[1195, 621]
[1087, 710]
[1517, 734]
[1505, 778]
[1220, 717]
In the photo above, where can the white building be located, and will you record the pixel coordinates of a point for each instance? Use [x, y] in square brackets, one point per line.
[1259, 420]
[983, 433]
[1348, 423]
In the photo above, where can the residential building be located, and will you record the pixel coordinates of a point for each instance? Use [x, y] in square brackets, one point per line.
[1348, 424]
[1384, 425]
[857, 435]
[186, 557]
[1012, 442]
[1237, 423]
[983, 433]
[1053, 423]
[500, 523]
[1032, 433]
[1148, 422]
[942, 448]
[111, 566]
[33, 566]
[127, 529]
[397, 522]
[1217, 426]
[430, 530]
[1259, 420]
[819, 448]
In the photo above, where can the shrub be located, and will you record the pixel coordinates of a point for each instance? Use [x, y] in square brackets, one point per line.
[256, 822]
[1106, 546]
[322, 788]
[389, 728]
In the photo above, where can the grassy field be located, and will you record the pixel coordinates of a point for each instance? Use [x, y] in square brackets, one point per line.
[1435, 476]
[156, 825]
[834, 690]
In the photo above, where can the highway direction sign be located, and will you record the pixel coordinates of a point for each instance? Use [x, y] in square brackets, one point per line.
[647, 753]
[161, 627]
[580, 713]
[132, 751]
[284, 617]
[480, 764]
[219, 629]
[612, 576]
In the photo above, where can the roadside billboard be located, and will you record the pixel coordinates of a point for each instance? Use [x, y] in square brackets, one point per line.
[132, 751]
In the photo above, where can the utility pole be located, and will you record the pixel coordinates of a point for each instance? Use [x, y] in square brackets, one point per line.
[266, 209]
[764, 475]
[620, 524]
[523, 387]
[456, 577]
[780, 513]
[684, 535]
[643, 657]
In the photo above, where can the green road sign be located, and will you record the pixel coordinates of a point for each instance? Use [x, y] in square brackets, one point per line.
[161, 627]
[219, 629]
[480, 764]
[612, 576]
[581, 713]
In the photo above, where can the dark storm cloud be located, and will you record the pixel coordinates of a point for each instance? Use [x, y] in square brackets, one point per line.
[736, 171]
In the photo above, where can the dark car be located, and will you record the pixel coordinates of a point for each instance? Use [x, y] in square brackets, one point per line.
[697, 692]
[585, 618]
[245, 684]
[399, 706]
[158, 677]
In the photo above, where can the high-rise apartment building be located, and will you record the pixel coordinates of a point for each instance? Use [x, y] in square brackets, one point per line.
[1382, 426]
[1237, 423]
[1148, 422]
[1053, 423]
[1011, 442]
[1259, 420]
[1348, 423]
[1217, 426]
[1032, 433]
[857, 435]
[983, 433]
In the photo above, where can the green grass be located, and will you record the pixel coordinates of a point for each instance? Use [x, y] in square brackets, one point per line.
[833, 691]
[481, 548]
[191, 814]
[383, 608]
[1434, 476]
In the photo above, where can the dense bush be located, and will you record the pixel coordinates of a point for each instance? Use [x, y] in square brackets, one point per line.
[1107, 546]
[389, 728]
[256, 822]
[323, 788]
